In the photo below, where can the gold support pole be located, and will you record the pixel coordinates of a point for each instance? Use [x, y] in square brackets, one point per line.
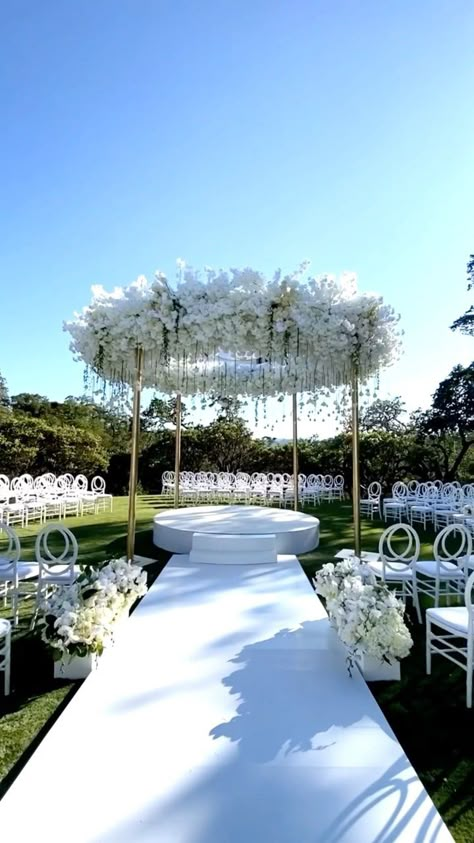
[177, 449]
[295, 451]
[355, 461]
[132, 489]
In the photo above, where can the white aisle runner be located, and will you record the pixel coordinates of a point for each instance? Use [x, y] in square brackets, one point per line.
[224, 715]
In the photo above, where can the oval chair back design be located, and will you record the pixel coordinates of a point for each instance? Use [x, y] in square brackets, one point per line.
[53, 563]
[389, 555]
[462, 552]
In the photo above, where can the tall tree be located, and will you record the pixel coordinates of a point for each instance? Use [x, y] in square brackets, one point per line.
[450, 420]
[465, 323]
[4, 397]
[384, 414]
[161, 412]
[229, 406]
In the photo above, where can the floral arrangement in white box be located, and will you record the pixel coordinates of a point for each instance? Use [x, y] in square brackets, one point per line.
[367, 616]
[79, 619]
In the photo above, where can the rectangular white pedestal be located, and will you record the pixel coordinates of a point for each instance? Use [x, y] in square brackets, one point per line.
[373, 669]
[75, 667]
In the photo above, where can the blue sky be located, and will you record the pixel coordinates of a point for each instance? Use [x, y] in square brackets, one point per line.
[252, 133]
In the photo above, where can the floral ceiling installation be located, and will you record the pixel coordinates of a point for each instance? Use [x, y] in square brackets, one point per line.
[237, 332]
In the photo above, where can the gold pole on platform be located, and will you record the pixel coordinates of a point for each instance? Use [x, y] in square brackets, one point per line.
[295, 451]
[177, 449]
[355, 460]
[132, 489]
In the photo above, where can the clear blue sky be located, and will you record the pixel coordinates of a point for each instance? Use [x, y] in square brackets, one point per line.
[257, 133]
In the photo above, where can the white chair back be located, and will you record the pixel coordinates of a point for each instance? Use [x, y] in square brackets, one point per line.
[375, 490]
[458, 535]
[393, 558]
[52, 562]
[81, 483]
[98, 484]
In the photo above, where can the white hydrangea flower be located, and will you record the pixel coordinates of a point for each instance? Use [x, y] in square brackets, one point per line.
[72, 622]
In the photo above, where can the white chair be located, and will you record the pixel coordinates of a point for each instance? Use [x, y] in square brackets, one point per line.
[12, 571]
[98, 487]
[396, 507]
[5, 653]
[446, 572]
[338, 490]
[457, 623]
[224, 549]
[55, 568]
[371, 504]
[399, 568]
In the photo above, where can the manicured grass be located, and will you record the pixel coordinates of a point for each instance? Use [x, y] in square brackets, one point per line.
[427, 714]
[26, 714]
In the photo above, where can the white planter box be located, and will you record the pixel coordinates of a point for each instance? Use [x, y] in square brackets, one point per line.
[75, 667]
[373, 670]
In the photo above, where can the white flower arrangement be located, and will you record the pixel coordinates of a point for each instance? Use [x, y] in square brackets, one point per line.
[79, 619]
[236, 331]
[367, 616]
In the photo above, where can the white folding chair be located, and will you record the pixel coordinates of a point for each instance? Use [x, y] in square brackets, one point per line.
[446, 572]
[399, 568]
[456, 643]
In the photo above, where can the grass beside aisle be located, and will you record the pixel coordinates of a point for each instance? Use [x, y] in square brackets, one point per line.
[427, 714]
[37, 698]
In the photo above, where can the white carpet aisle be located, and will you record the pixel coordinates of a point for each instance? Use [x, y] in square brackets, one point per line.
[224, 714]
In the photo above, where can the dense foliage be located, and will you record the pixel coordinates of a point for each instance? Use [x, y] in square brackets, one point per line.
[37, 435]
[465, 323]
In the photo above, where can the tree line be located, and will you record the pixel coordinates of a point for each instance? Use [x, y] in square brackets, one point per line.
[77, 435]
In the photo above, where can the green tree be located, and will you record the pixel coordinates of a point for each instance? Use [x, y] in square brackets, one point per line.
[384, 414]
[161, 412]
[449, 423]
[465, 323]
[31, 403]
[4, 397]
[229, 406]
[33, 445]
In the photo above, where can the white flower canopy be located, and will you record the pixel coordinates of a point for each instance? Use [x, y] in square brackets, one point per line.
[237, 333]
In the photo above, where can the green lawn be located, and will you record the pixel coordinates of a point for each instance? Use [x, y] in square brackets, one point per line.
[427, 714]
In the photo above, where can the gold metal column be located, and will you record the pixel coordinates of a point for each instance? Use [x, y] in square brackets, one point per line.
[177, 452]
[132, 489]
[295, 450]
[355, 461]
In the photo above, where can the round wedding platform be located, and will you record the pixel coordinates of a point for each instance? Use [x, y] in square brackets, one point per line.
[295, 532]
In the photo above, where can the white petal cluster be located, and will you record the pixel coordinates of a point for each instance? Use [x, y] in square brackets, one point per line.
[236, 331]
[79, 619]
[367, 616]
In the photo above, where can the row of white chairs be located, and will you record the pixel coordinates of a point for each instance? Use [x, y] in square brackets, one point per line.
[450, 572]
[259, 487]
[433, 502]
[25, 499]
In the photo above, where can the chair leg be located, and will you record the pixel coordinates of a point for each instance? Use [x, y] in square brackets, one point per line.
[416, 603]
[470, 643]
[15, 604]
[428, 646]
[7, 665]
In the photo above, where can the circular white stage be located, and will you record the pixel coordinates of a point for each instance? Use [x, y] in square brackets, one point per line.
[295, 532]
